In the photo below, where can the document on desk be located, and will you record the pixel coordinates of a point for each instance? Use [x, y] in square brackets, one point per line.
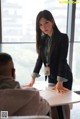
[56, 99]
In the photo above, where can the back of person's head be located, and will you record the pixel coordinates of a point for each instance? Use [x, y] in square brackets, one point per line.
[6, 65]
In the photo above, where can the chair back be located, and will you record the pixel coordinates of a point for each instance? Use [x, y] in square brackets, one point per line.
[29, 117]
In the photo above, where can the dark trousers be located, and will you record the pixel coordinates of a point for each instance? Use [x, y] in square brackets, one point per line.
[60, 112]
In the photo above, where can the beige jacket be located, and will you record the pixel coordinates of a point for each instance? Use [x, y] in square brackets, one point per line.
[23, 102]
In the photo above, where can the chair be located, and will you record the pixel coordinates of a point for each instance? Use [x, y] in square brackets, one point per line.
[29, 117]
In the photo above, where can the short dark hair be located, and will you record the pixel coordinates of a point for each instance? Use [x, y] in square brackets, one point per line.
[6, 64]
[4, 58]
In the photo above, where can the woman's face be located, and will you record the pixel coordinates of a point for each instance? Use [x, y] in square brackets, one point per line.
[46, 26]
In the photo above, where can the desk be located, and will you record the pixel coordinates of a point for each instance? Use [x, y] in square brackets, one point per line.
[56, 99]
[60, 100]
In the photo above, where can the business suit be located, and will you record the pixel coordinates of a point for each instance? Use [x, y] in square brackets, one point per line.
[58, 59]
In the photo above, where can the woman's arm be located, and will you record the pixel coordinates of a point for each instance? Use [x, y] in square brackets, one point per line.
[36, 70]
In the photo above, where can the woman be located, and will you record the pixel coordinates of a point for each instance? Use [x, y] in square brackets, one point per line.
[52, 49]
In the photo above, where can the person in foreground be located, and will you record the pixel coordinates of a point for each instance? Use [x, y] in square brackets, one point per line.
[52, 49]
[13, 99]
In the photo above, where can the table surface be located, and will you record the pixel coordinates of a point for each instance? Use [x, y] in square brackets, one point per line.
[56, 99]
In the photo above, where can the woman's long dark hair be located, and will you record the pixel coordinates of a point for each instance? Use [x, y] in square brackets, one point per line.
[48, 16]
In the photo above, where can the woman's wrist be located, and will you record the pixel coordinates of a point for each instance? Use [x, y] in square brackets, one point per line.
[61, 79]
[59, 84]
[35, 75]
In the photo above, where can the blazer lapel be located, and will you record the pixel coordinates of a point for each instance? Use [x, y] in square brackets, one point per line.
[53, 45]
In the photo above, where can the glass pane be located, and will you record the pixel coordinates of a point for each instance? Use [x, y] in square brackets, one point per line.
[19, 18]
[77, 23]
[24, 56]
[76, 66]
[76, 51]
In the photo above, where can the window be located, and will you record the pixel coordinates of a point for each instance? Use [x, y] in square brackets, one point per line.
[18, 31]
[76, 51]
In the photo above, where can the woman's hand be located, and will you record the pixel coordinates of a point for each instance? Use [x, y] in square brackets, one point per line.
[32, 82]
[28, 85]
[59, 87]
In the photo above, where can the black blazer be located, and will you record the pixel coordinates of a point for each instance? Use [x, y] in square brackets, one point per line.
[58, 57]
